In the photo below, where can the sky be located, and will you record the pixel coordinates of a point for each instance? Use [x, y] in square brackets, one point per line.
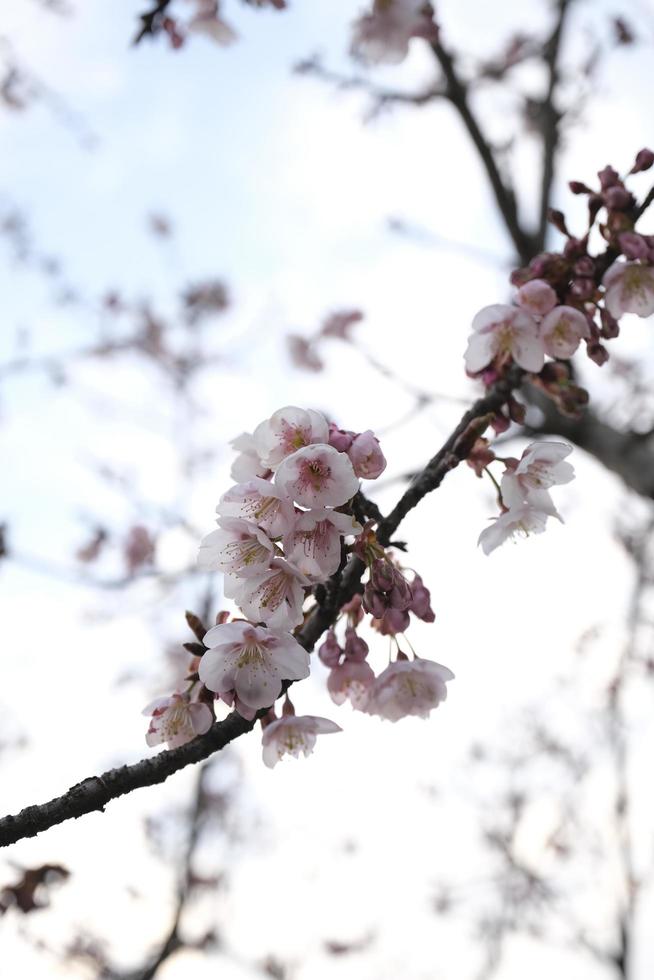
[273, 182]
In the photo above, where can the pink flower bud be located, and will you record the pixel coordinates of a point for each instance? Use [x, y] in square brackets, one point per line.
[356, 649]
[644, 160]
[608, 177]
[330, 651]
[366, 456]
[633, 245]
[618, 198]
[339, 438]
[421, 601]
[393, 621]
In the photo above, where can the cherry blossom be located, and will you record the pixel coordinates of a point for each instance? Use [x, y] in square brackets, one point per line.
[208, 21]
[504, 330]
[252, 662]
[260, 502]
[629, 289]
[293, 735]
[368, 461]
[274, 597]
[542, 465]
[247, 464]
[536, 297]
[520, 521]
[409, 687]
[351, 681]
[317, 476]
[562, 330]
[287, 430]
[382, 36]
[236, 547]
[314, 544]
[176, 720]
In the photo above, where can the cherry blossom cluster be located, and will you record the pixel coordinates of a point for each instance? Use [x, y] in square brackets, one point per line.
[562, 300]
[283, 530]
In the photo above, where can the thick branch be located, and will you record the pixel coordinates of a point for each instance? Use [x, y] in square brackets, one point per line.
[457, 94]
[96, 792]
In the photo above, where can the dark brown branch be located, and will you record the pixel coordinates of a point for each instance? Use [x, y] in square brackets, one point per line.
[457, 94]
[96, 792]
[551, 118]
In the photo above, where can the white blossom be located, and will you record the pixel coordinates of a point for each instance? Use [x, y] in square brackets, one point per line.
[504, 330]
[317, 476]
[252, 662]
[314, 544]
[629, 289]
[237, 547]
[287, 430]
[408, 687]
[274, 597]
[293, 735]
[176, 720]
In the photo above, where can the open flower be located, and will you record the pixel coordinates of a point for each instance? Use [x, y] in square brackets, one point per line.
[176, 720]
[252, 662]
[351, 681]
[314, 544]
[562, 330]
[288, 430]
[260, 502]
[520, 521]
[409, 687]
[629, 289]
[236, 547]
[317, 476]
[541, 466]
[293, 735]
[274, 597]
[247, 464]
[504, 330]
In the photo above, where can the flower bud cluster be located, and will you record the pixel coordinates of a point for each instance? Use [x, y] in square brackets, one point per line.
[569, 297]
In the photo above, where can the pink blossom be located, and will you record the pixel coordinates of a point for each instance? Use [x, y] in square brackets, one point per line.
[382, 36]
[537, 297]
[176, 720]
[542, 465]
[293, 735]
[340, 439]
[317, 476]
[236, 547]
[247, 464]
[252, 662]
[287, 430]
[504, 330]
[356, 648]
[409, 687]
[260, 502]
[629, 289]
[520, 521]
[421, 601]
[351, 681]
[366, 456]
[274, 597]
[314, 544]
[562, 331]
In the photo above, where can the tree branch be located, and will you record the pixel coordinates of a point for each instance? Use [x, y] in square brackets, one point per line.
[551, 117]
[95, 792]
[457, 94]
